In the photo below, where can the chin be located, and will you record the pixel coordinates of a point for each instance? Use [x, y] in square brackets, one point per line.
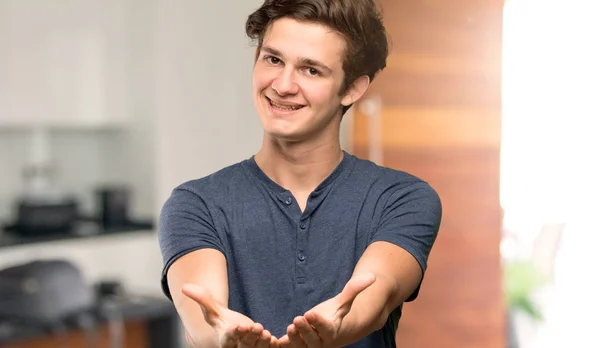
[284, 134]
[283, 128]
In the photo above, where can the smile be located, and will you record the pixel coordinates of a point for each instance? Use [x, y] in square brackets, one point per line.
[284, 107]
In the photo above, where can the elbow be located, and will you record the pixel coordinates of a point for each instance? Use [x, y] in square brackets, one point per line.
[382, 318]
[391, 304]
[379, 320]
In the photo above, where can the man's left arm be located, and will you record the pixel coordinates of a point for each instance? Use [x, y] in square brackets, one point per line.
[385, 276]
[397, 275]
[397, 257]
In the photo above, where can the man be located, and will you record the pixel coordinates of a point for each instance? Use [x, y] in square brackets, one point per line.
[303, 244]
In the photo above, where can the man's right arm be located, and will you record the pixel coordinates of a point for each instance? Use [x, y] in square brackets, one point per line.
[206, 268]
[197, 281]
[198, 286]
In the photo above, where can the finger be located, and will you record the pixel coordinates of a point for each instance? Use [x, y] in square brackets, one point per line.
[355, 286]
[203, 298]
[249, 340]
[274, 342]
[308, 333]
[233, 335]
[284, 341]
[322, 326]
[296, 340]
[264, 340]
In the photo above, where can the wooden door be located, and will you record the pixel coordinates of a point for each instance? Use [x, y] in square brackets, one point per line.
[440, 120]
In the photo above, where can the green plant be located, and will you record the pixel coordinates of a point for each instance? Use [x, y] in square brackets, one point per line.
[521, 279]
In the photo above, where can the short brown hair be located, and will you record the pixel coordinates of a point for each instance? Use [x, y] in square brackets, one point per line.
[359, 22]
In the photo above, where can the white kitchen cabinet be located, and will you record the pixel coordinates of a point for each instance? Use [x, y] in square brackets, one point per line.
[63, 64]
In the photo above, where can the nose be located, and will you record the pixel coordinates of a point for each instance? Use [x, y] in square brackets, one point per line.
[285, 83]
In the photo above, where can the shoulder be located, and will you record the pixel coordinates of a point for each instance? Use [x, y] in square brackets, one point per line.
[215, 182]
[390, 186]
[372, 173]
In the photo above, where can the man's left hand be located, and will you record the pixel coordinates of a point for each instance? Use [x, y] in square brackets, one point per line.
[321, 326]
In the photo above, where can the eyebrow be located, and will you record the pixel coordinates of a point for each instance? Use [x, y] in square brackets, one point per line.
[306, 61]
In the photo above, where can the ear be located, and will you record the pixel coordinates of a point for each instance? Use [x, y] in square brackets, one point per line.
[356, 90]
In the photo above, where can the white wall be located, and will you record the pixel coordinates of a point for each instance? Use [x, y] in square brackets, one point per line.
[87, 158]
[206, 118]
[118, 85]
[78, 158]
[189, 66]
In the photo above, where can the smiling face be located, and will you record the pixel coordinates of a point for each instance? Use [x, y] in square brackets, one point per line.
[297, 80]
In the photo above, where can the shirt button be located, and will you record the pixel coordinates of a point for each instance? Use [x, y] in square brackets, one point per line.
[301, 257]
[302, 225]
[288, 200]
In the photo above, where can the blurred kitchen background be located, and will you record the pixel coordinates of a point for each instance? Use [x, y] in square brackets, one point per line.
[105, 106]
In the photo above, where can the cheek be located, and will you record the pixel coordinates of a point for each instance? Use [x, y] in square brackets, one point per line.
[260, 79]
[321, 94]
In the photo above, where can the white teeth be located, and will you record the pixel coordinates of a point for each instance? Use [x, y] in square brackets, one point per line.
[283, 107]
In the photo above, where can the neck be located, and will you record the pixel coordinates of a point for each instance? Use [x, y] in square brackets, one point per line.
[299, 166]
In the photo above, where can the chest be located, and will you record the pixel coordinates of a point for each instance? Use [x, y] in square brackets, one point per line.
[278, 229]
[295, 258]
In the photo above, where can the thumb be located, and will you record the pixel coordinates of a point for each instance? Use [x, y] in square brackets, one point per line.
[204, 299]
[355, 286]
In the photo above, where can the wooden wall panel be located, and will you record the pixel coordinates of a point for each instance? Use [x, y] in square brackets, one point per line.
[433, 128]
[440, 120]
[448, 90]
[460, 303]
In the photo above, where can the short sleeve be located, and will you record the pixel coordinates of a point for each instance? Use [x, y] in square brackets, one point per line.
[411, 220]
[185, 225]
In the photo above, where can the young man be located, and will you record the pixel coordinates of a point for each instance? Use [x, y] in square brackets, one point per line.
[303, 244]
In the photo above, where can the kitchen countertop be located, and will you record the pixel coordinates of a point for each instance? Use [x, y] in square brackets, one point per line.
[9, 238]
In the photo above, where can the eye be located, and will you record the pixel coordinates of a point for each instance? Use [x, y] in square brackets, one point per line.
[313, 71]
[272, 60]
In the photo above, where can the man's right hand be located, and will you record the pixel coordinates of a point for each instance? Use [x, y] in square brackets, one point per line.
[233, 329]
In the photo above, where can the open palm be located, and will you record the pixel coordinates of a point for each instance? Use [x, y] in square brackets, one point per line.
[321, 325]
[233, 329]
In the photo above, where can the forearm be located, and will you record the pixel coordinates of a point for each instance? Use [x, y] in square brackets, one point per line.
[397, 275]
[197, 331]
[186, 270]
[369, 312]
